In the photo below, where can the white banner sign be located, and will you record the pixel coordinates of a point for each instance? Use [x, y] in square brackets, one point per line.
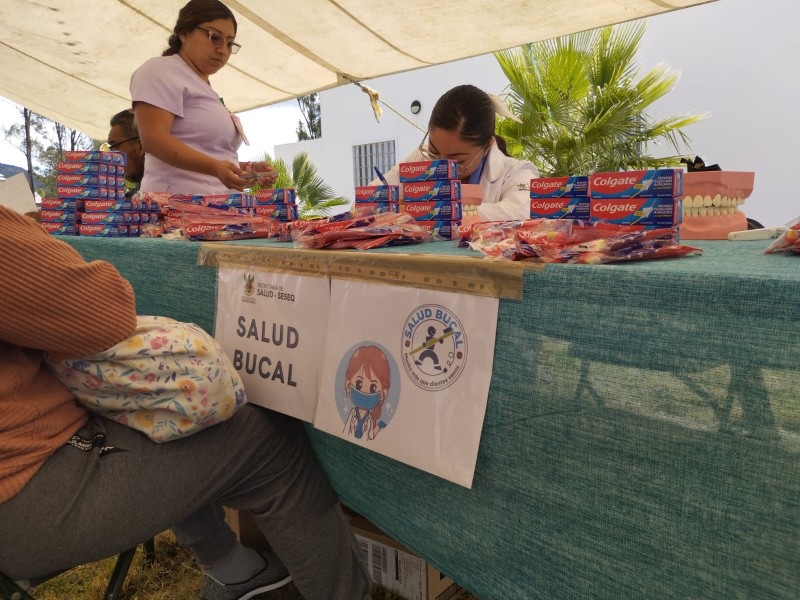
[406, 374]
[272, 325]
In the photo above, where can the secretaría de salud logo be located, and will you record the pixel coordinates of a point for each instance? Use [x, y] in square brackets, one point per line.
[248, 288]
[433, 347]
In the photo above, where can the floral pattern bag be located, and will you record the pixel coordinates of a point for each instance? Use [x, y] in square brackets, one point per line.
[168, 380]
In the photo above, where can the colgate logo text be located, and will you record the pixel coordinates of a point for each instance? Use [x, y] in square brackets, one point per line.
[193, 229]
[546, 205]
[612, 209]
[412, 169]
[615, 181]
[417, 209]
[546, 186]
[422, 189]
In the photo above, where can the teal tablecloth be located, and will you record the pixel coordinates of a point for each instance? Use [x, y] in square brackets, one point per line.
[641, 438]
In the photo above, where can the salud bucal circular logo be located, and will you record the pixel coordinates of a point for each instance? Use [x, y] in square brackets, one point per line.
[434, 347]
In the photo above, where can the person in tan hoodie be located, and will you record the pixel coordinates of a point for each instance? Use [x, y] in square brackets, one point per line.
[76, 487]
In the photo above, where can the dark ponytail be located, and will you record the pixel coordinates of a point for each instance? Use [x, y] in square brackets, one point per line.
[174, 45]
[500, 142]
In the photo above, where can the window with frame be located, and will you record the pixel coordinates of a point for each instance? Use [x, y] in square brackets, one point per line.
[368, 156]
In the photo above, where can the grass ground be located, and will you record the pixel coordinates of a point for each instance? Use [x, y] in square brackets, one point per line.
[174, 576]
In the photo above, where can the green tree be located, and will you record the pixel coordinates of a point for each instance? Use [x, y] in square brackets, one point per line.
[312, 128]
[582, 106]
[315, 198]
[25, 137]
[43, 142]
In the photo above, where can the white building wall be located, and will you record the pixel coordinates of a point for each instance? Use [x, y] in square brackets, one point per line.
[738, 60]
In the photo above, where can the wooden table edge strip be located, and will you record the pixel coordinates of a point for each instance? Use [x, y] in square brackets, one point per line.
[463, 274]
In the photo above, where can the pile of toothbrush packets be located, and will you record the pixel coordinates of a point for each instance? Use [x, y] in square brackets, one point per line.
[573, 241]
[788, 241]
[363, 229]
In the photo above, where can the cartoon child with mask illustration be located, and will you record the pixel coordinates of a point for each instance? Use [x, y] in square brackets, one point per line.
[366, 385]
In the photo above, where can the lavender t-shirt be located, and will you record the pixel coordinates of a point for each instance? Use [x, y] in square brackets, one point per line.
[201, 121]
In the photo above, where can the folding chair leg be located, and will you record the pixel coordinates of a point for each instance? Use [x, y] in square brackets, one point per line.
[10, 590]
[123, 564]
[149, 547]
[121, 567]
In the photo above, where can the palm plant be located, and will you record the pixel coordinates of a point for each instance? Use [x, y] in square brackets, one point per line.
[581, 108]
[315, 198]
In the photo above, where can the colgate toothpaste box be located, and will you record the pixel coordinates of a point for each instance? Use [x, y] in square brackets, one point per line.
[106, 218]
[378, 207]
[54, 228]
[58, 216]
[664, 212]
[107, 206]
[433, 210]
[422, 191]
[95, 156]
[70, 204]
[89, 180]
[426, 170]
[102, 230]
[283, 212]
[444, 229]
[558, 187]
[81, 192]
[653, 183]
[377, 193]
[81, 168]
[576, 207]
[275, 196]
[234, 199]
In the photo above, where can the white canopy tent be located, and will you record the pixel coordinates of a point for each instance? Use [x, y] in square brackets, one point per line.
[71, 60]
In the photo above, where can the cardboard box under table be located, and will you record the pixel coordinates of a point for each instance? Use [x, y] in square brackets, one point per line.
[642, 431]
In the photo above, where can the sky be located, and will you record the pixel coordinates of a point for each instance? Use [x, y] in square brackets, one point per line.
[265, 128]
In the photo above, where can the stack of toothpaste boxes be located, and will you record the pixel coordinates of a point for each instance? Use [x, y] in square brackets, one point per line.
[560, 197]
[648, 199]
[378, 198]
[90, 197]
[279, 206]
[430, 192]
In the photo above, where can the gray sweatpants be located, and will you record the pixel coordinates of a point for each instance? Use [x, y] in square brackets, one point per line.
[89, 504]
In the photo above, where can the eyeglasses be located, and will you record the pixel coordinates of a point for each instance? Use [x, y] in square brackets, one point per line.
[463, 167]
[218, 41]
[106, 146]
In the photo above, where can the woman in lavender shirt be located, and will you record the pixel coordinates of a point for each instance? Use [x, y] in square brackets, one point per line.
[189, 137]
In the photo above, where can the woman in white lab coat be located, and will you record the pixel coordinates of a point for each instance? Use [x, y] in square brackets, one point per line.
[461, 128]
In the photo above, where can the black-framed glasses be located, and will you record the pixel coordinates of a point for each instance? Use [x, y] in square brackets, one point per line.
[218, 40]
[116, 145]
[105, 146]
[463, 166]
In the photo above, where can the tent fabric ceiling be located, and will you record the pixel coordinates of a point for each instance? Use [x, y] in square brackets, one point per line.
[71, 60]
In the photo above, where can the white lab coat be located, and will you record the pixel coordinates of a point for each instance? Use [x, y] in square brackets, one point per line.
[505, 182]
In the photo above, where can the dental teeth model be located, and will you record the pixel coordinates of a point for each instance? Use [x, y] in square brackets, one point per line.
[712, 202]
